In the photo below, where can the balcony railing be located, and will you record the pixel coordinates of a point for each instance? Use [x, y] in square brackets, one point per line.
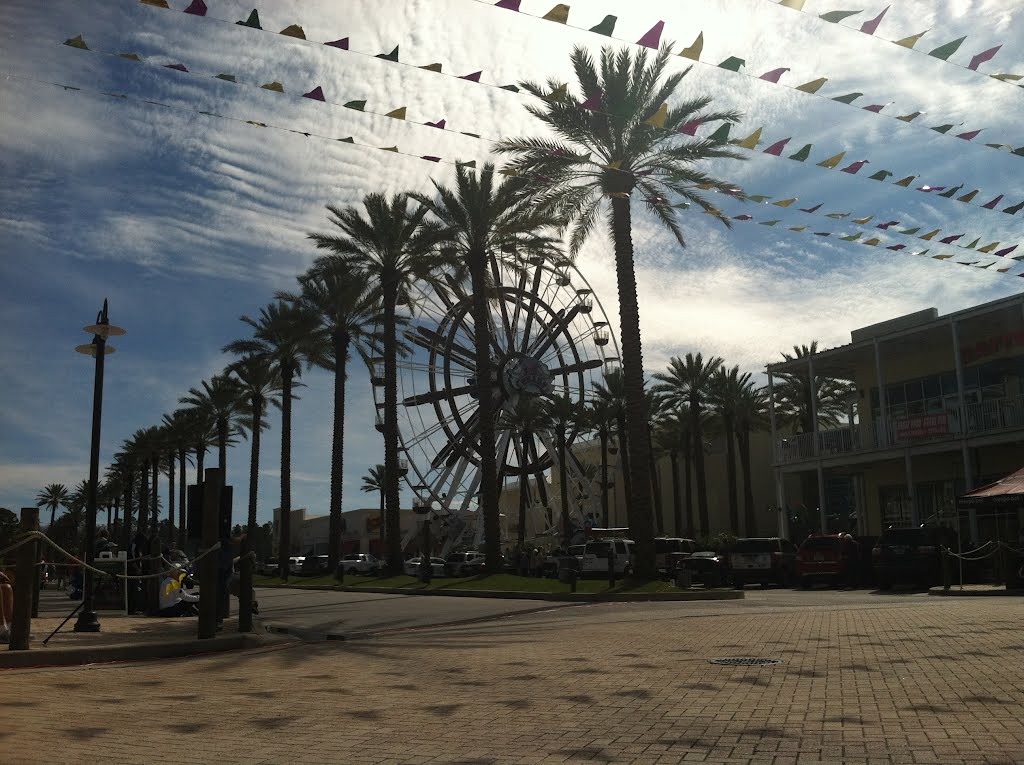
[982, 417]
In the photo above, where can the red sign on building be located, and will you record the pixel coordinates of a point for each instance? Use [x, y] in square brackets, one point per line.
[922, 426]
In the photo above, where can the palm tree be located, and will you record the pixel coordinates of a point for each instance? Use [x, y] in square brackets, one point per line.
[612, 393]
[287, 336]
[220, 400]
[597, 159]
[656, 407]
[563, 414]
[477, 218]
[343, 298]
[260, 385]
[793, 396]
[52, 496]
[390, 247]
[374, 481]
[526, 417]
[178, 431]
[672, 437]
[688, 383]
[126, 465]
[601, 419]
[724, 393]
[751, 413]
[202, 434]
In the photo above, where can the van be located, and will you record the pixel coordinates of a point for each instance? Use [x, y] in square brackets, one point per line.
[668, 549]
[597, 552]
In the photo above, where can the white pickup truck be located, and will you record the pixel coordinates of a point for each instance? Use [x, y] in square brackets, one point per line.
[359, 563]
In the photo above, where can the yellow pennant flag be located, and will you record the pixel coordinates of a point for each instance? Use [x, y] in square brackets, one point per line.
[905, 182]
[397, 114]
[559, 14]
[930, 235]
[862, 221]
[796, 5]
[798, 228]
[909, 42]
[658, 118]
[694, 51]
[988, 247]
[511, 171]
[813, 86]
[832, 161]
[156, 3]
[389, 148]
[432, 67]
[275, 86]
[872, 242]
[558, 93]
[785, 202]
[294, 31]
[750, 142]
[942, 257]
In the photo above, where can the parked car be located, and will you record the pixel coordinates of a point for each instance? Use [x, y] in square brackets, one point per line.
[359, 563]
[295, 564]
[267, 567]
[765, 560]
[707, 567]
[597, 552]
[824, 558]
[465, 563]
[437, 566]
[312, 565]
[667, 549]
[911, 556]
[552, 561]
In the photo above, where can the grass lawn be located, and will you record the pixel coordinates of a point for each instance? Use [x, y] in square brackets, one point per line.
[497, 582]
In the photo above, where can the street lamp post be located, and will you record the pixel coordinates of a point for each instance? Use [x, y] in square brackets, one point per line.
[98, 349]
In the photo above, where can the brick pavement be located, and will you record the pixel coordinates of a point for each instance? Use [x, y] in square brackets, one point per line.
[922, 681]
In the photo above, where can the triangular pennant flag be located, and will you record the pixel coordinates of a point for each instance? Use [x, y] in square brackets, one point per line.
[690, 128]
[342, 43]
[1019, 152]
[694, 51]
[897, 247]
[558, 14]
[435, 67]
[156, 3]
[512, 88]
[658, 118]
[178, 67]
[253, 22]
[854, 167]
[981, 58]
[909, 42]
[968, 197]
[872, 242]
[947, 50]
[909, 117]
[838, 216]
[922, 252]
[350, 139]
[796, 5]
[813, 86]
[197, 8]
[77, 42]
[317, 94]
[614, 165]
[813, 209]
[849, 98]
[744, 216]
[834, 17]
[832, 161]
[1014, 209]
[470, 164]
[943, 128]
[682, 205]
[889, 224]
[942, 257]
[227, 77]
[275, 86]
[397, 114]
[769, 222]
[881, 175]
[905, 182]
[910, 231]
[722, 134]
[777, 147]
[930, 235]
[851, 237]
[510, 171]
[130, 56]
[389, 148]
[988, 247]
[512, 5]
[558, 94]
[774, 74]
[928, 189]
[973, 244]
[758, 198]
[1007, 77]
[732, 63]
[357, 105]
[869, 27]
[1006, 251]
[294, 30]
[798, 228]
[392, 56]
[950, 239]
[750, 142]
[652, 38]
[969, 134]
[784, 202]
[439, 124]
[862, 221]
[473, 77]
[992, 205]
[257, 124]
[948, 194]
[606, 27]
[803, 154]
[876, 108]
[430, 158]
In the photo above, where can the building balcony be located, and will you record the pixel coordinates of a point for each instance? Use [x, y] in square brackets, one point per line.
[980, 418]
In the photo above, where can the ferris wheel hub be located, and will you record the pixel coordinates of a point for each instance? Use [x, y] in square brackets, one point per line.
[525, 375]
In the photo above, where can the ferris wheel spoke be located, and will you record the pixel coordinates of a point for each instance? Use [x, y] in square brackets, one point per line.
[457, 353]
[437, 395]
[537, 274]
[503, 309]
[581, 366]
[551, 332]
[430, 430]
[469, 430]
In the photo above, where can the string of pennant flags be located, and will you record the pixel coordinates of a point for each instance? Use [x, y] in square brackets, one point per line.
[559, 14]
[720, 135]
[125, 98]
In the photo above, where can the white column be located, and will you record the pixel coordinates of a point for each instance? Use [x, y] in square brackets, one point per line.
[780, 500]
[909, 470]
[814, 401]
[965, 452]
[823, 516]
[882, 433]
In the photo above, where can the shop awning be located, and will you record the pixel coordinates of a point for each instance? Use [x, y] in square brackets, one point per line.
[1009, 490]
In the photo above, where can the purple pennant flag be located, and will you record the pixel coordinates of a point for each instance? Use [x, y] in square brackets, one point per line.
[439, 124]
[981, 58]
[198, 8]
[869, 27]
[811, 209]
[854, 167]
[950, 239]
[822, 233]
[474, 77]
[690, 128]
[1006, 251]
[876, 108]
[774, 74]
[316, 94]
[430, 158]
[512, 5]
[969, 134]
[179, 67]
[342, 43]
[887, 226]
[743, 217]
[992, 205]
[653, 37]
[776, 148]
[594, 102]
[897, 247]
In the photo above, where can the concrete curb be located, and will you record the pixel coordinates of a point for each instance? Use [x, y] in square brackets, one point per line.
[976, 592]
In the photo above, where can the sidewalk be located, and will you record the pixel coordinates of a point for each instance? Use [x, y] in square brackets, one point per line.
[972, 590]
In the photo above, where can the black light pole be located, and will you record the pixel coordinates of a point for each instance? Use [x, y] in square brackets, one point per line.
[98, 348]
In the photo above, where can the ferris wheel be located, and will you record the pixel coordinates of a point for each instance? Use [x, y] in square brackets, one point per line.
[549, 336]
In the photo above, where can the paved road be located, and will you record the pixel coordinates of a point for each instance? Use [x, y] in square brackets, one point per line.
[864, 679]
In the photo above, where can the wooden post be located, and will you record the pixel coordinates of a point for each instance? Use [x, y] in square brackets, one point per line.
[25, 575]
[208, 565]
[37, 579]
[245, 587]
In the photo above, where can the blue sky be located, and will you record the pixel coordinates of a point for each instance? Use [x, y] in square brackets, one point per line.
[187, 221]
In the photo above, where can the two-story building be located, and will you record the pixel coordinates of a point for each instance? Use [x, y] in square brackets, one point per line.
[938, 410]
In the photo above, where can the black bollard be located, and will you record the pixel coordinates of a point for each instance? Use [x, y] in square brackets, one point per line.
[25, 573]
[208, 565]
[245, 588]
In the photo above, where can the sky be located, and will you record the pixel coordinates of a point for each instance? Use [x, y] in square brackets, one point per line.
[186, 221]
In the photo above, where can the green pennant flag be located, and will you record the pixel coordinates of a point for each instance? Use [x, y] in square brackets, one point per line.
[606, 27]
[909, 117]
[947, 50]
[1019, 152]
[513, 88]
[838, 216]
[905, 182]
[970, 195]
[910, 231]
[682, 205]
[759, 198]
[357, 105]
[227, 77]
[253, 22]
[803, 154]
[350, 139]
[392, 56]
[972, 245]
[881, 175]
[471, 163]
[949, 194]
[722, 134]
[851, 237]
[834, 17]
[1014, 209]
[849, 98]
[942, 128]
[77, 42]
[732, 63]
[768, 222]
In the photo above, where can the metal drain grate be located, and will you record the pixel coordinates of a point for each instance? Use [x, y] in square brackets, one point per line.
[744, 661]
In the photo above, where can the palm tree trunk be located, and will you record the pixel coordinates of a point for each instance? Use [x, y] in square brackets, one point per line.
[677, 505]
[730, 476]
[604, 477]
[143, 522]
[126, 528]
[698, 466]
[254, 467]
[524, 487]
[563, 487]
[485, 407]
[170, 498]
[639, 508]
[392, 515]
[748, 484]
[109, 508]
[659, 517]
[341, 341]
[53, 514]
[155, 496]
[284, 543]
[182, 498]
[691, 524]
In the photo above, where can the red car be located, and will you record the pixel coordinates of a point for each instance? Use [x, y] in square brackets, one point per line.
[824, 558]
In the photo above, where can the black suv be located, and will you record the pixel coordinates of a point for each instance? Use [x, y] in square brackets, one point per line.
[764, 560]
[911, 556]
